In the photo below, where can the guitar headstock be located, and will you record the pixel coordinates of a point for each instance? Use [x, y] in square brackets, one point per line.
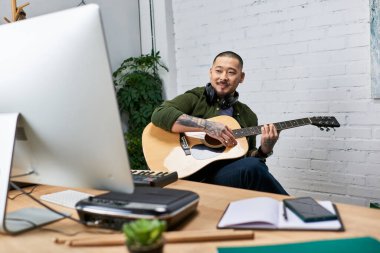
[325, 122]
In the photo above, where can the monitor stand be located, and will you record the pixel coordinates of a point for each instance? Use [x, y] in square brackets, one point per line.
[23, 219]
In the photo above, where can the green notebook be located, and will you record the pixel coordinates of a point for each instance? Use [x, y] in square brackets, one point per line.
[352, 245]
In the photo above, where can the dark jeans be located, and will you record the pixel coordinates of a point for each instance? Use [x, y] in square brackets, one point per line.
[246, 173]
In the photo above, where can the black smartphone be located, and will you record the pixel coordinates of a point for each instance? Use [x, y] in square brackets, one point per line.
[309, 210]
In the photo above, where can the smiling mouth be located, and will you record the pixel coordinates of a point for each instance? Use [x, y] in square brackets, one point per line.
[224, 85]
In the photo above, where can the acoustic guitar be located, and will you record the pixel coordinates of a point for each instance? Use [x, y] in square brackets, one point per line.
[187, 153]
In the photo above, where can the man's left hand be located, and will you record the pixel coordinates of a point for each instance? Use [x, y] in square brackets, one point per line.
[269, 137]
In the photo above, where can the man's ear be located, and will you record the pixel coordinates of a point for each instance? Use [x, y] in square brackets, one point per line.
[242, 77]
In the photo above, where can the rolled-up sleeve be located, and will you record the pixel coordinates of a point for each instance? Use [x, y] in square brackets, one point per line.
[165, 115]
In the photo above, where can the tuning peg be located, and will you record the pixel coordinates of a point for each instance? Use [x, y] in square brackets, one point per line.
[321, 128]
[327, 129]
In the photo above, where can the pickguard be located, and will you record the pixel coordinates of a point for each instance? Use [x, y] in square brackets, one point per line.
[202, 152]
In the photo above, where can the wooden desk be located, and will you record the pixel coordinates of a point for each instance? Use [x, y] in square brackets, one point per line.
[358, 221]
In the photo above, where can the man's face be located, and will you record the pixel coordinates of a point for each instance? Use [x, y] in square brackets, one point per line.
[225, 75]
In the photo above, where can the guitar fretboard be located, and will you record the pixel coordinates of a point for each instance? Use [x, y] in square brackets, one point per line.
[248, 131]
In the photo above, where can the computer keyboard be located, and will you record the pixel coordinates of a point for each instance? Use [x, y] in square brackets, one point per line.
[151, 178]
[67, 198]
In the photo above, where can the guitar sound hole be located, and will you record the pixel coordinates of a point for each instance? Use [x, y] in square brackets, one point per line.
[212, 142]
[202, 152]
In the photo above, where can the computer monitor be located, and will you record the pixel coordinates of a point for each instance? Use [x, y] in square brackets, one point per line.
[56, 84]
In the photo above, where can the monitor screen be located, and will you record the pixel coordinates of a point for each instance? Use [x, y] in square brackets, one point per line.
[55, 72]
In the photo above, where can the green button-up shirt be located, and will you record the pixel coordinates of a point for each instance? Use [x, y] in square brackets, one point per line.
[193, 102]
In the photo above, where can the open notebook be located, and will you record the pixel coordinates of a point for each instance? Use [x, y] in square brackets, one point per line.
[268, 213]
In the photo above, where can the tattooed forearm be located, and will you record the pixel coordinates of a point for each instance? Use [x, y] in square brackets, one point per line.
[190, 121]
[214, 129]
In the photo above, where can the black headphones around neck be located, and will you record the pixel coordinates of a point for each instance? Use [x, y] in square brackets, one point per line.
[224, 103]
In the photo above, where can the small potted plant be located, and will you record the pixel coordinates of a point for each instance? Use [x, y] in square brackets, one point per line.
[144, 235]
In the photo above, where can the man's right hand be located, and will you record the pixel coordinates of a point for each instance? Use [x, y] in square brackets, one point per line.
[220, 132]
[216, 130]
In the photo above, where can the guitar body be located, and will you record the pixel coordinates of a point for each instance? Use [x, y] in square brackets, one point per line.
[163, 151]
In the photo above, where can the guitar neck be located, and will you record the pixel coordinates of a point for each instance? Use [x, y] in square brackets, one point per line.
[248, 131]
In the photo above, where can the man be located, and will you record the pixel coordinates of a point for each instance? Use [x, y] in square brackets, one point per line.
[189, 113]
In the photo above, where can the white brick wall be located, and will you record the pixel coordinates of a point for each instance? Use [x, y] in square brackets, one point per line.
[302, 58]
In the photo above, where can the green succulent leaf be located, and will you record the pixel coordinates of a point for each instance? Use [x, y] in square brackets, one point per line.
[143, 232]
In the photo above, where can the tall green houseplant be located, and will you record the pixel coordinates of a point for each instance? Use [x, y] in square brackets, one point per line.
[139, 92]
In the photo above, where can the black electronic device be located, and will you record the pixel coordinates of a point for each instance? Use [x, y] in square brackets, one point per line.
[152, 178]
[309, 210]
[112, 210]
